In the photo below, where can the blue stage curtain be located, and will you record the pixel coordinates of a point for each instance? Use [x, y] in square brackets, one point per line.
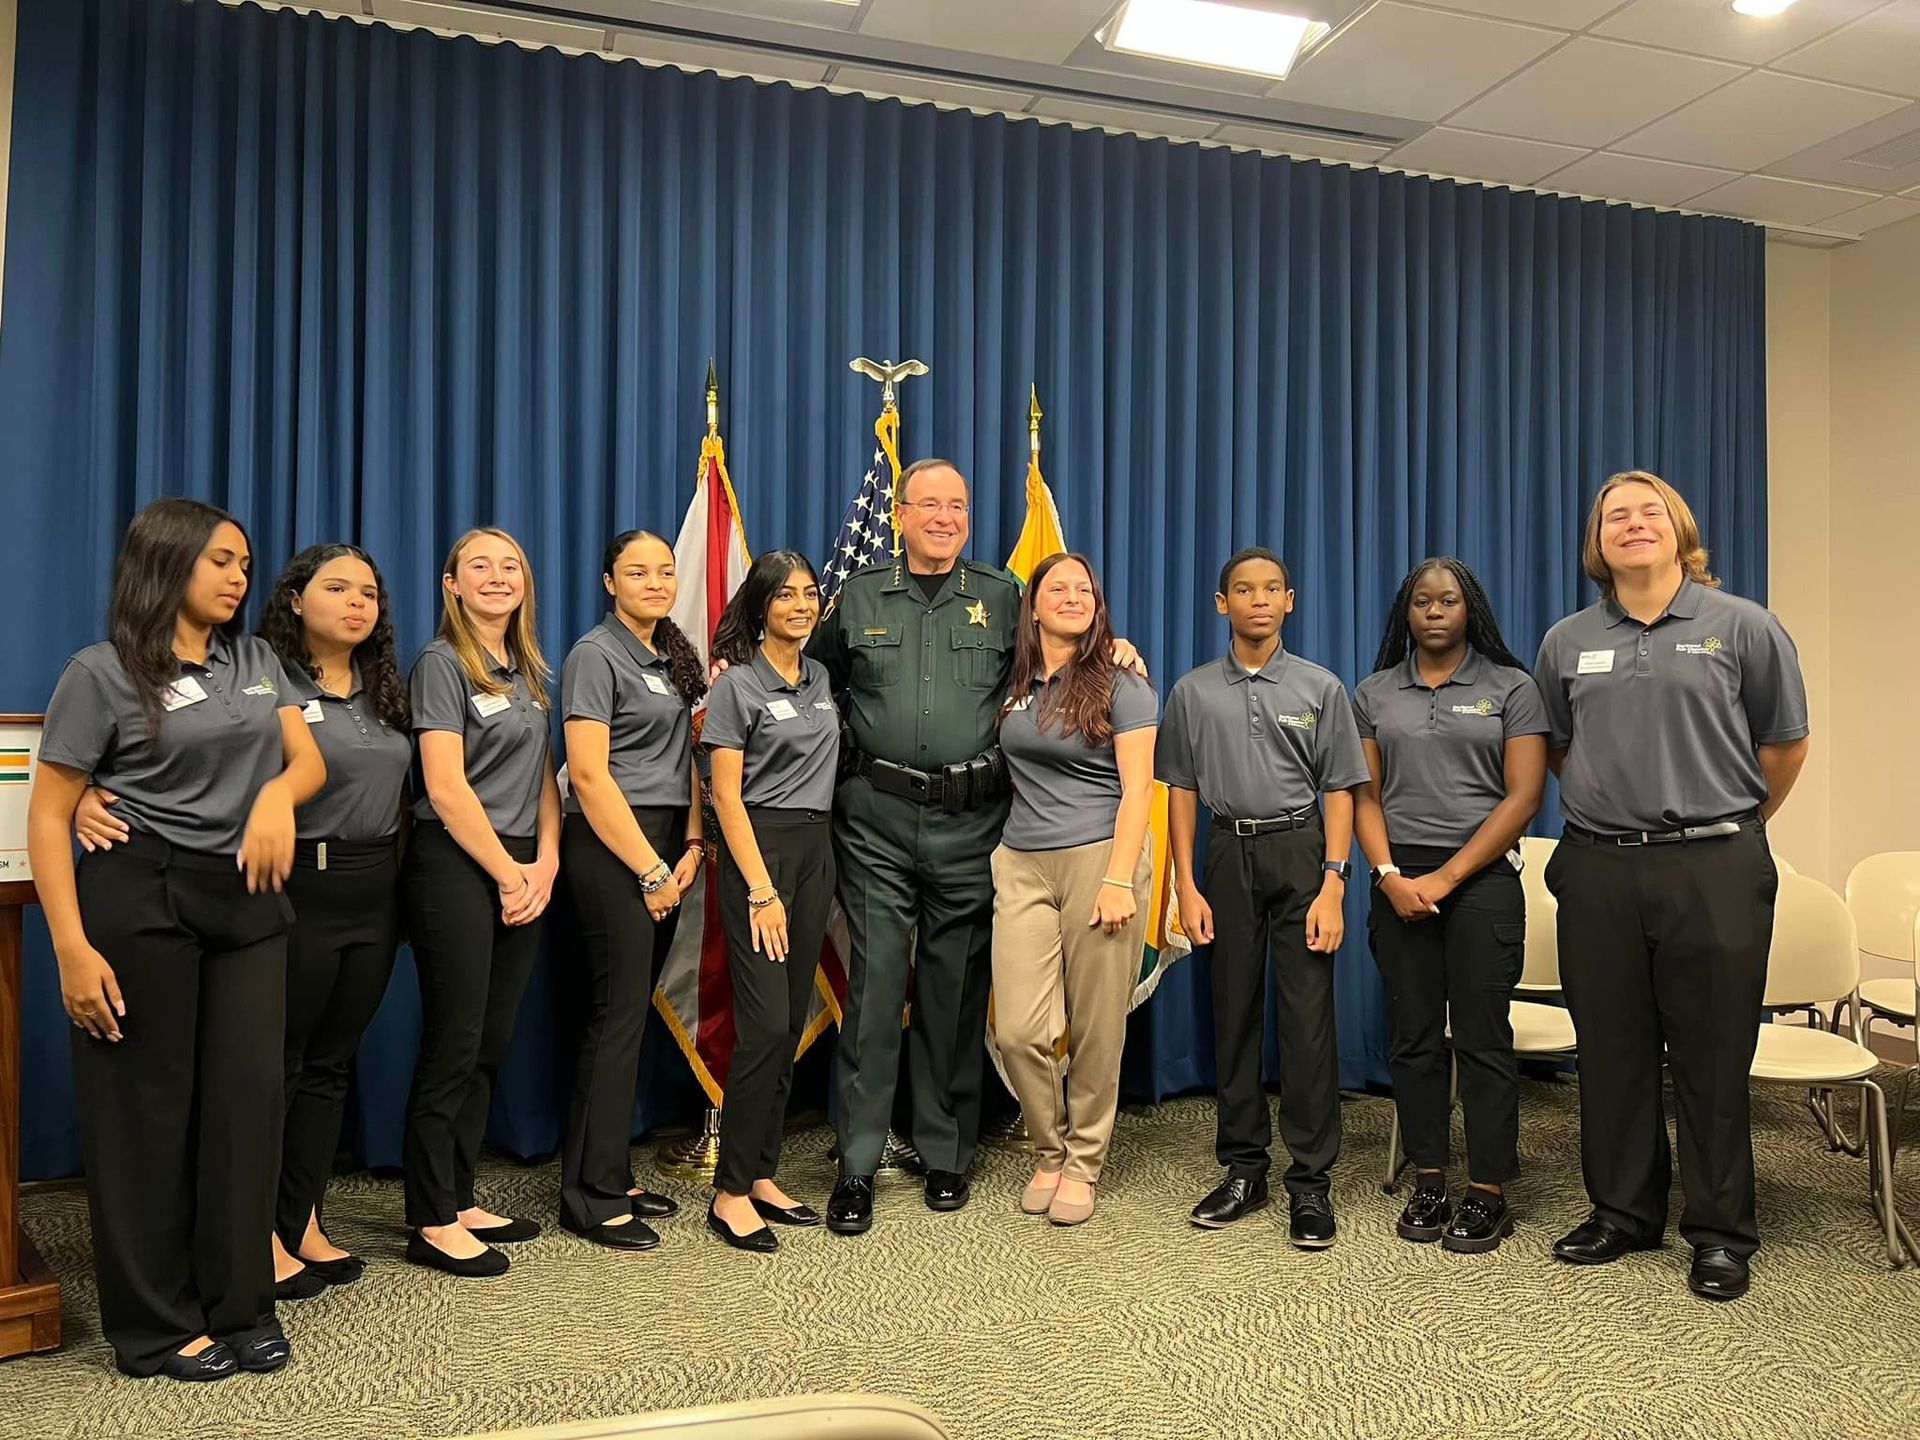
[360, 284]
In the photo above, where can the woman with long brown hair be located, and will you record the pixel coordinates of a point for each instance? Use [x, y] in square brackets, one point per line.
[478, 876]
[1071, 877]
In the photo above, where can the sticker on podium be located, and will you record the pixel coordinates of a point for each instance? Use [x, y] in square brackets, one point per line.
[19, 752]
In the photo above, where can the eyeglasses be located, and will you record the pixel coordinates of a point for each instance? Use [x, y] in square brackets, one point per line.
[931, 508]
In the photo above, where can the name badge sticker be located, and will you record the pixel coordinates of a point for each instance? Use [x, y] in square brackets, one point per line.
[1021, 704]
[655, 683]
[183, 692]
[782, 710]
[312, 713]
[1595, 662]
[485, 705]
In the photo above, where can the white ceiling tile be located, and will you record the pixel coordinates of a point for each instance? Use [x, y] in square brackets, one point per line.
[1120, 117]
[918, 87]
[1289, 142]
[1590, 92]
[1567, 14]
[1890, 210]
[1628, 177]
[1040, 30]
[1785, 202]
[725, 58]
[1881, 51]
[490, 24]
[1710, 27]
[1482, 157]
[1757, 119]
[1421, 64]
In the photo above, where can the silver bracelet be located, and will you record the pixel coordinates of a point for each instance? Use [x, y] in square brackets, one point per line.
[661, 875]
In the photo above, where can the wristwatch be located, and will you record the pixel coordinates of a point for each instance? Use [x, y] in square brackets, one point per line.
[1383, 871]
[1342, 868]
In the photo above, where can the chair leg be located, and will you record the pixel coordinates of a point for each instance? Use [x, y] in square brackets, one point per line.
[1880, 1178]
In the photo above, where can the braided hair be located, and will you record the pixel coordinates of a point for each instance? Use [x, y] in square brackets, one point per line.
[1483, 630]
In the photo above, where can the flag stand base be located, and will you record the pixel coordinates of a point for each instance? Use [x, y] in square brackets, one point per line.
[694, 1157]
[1008, 1133]
[900, 1158]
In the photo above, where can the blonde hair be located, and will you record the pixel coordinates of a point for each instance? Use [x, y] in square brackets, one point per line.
[523, 643]
[1691, 554]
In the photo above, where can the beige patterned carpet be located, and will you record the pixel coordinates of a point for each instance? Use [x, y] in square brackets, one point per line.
[1135, 1325]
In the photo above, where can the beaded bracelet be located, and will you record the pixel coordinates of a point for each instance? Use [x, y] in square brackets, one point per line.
[762, 903]
[661, 875]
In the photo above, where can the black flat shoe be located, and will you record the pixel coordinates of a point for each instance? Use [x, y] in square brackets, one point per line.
[303, 1284]
[1718, 1274]
[1597, 1242]
[1310, 1223]
[850, 1207]
[216, 1362]
[947, 1190]
[635, 1234]
[1232, 1198]
[511, 1233]
[760, 1242]
[344, 1271]
[264, 1355]
[1426, 1214]
[422, 1251]
[786, 1214]
[1480, 1224]
[647, 1205]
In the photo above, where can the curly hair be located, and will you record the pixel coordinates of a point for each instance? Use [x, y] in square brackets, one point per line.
[284, 631]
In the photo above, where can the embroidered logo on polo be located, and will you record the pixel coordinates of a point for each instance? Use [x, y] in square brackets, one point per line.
[1712, 645]
[263, 686]
[1482, 706]
[1305, 720]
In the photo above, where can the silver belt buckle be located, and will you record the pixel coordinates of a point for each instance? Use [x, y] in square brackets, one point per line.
[1245, 828]
[322, 855]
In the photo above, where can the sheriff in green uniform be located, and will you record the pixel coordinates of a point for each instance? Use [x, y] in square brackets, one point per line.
[923, 650]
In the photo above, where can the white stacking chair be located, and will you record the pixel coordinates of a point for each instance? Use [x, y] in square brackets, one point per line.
[1815, 962]
[1883, 892]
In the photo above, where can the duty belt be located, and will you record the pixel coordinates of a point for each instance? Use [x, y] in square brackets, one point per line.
[952, 788]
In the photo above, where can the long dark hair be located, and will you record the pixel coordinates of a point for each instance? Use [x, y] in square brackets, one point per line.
[1483, 631]
[1086, 692]
[157, 556]
[684, 666]
[285, 632]
[744, 620]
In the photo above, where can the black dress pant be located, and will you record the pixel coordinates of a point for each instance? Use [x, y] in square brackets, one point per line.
[623, 948]
[339, 959]
[473, 968]
[1667, 944]
[180, 1119]
[1260, 887]
[771, 1000]
[1457, 967]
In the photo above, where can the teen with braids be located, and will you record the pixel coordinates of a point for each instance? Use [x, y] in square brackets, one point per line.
[1454, 735]
[631, 846]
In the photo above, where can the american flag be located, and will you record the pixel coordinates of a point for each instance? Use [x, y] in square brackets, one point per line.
[866, 530]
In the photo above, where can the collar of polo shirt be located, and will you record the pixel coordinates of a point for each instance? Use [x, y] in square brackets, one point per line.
[1685, 605]
[1467, 672]
[219, 647]
[1236, 672]
[636, 647]
[308, 688]
[772, 678]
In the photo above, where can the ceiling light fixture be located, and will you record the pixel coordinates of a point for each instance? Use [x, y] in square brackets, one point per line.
[1760, 9]
[1212, 33]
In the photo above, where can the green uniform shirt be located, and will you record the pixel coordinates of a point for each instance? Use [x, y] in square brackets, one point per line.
[926, 679]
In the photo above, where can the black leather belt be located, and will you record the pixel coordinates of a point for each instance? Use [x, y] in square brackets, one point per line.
[1308, 818]
[1719, 830]
[952, 788]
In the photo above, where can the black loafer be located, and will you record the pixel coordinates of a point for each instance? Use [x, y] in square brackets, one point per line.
[947, 1190]
[344, 1271]
[1233, 1197]
[786, 1214]
[216, 1362]
[511, 1233]
[422, 1251]
[1480, 1224]
[1310, 1223]
[647, 1205]
[303, 1284]
[1597, 1242]
[1718, 1274]
[1426, 1213]
[633, 1234]
[759, 1242]
[264, 1355]
[850, 1207]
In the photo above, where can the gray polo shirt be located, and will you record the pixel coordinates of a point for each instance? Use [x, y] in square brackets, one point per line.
[505, 735]
[219, 739]
[1263, 744]
[614, 677]
[788, 735]
[1660, 721]
[367, 764]
[1065, 791]
[1443, 750]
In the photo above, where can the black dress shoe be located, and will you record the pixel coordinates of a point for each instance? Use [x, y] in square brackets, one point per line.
[422, 1251]
[1596, 1242]
[647, 1205]
[344, 1271]
[634, 1234]
[760, 1242]
[1426, 1213]
[786, 1214]
[216, 1362]
[1310, 1224]
[266, 1354]
[511, 1233]
[947, 1190]
[303, 1284]
[850, 1207]
[1480, 1224]
[1233, 1197]
[1717, 1274]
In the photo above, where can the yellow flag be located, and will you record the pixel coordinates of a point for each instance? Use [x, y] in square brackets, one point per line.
[1040, 536]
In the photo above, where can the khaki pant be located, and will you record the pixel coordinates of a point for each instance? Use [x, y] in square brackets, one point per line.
[1054, 973]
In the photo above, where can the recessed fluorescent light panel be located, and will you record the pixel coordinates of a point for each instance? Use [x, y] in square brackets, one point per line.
[1760, 8]
[1210, 32]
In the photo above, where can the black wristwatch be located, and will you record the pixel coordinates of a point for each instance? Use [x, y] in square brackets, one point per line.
[1342, 868]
